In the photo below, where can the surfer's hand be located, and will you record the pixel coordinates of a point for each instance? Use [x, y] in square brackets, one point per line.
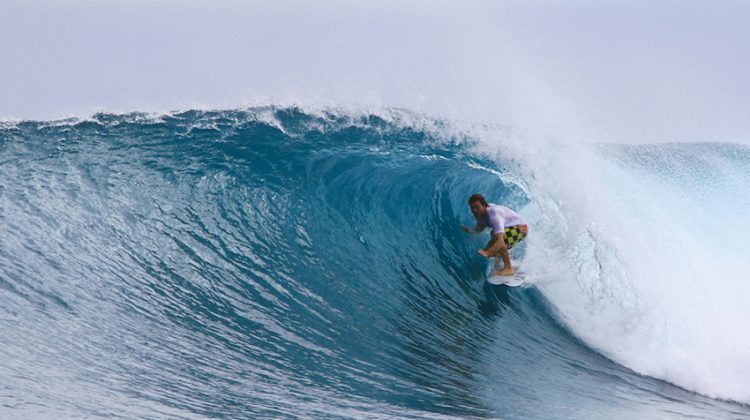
[483, 253]
[467, 229]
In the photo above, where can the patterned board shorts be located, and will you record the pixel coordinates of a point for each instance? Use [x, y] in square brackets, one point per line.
[515, 234]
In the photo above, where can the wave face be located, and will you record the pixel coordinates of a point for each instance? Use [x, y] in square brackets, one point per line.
[273, 262]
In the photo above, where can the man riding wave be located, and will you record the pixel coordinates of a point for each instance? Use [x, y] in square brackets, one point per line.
[508, 229]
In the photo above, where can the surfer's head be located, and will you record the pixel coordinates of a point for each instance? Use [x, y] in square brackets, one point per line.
[478, 205]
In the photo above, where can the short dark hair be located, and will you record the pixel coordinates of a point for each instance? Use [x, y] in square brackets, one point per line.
[478, 197]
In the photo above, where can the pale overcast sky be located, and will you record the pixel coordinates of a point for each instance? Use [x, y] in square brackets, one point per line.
[598, 70]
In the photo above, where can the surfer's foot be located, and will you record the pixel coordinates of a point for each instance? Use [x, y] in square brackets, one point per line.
[504, 272]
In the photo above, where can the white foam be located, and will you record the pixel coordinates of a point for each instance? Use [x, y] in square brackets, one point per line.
[646, 268]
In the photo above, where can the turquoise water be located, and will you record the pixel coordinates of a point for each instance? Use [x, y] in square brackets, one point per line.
[275, 263]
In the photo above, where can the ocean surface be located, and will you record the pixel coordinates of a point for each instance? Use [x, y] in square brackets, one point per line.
[275, 262]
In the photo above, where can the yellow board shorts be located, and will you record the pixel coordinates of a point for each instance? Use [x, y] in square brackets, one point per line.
[515, 234]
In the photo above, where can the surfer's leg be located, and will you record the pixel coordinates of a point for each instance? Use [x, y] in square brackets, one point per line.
[502, 254]
[507, 269]
[511, 236]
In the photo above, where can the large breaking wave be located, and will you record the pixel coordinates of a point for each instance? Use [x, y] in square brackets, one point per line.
[277, 262]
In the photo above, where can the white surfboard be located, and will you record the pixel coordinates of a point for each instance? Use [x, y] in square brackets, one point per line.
[513, 281]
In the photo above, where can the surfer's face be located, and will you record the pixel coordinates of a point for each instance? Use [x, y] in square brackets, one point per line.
[478, 209]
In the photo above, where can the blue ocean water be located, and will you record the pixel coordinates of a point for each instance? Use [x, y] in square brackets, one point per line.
[281, 263]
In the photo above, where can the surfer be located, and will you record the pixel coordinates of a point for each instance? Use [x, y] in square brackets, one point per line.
[508, 229]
